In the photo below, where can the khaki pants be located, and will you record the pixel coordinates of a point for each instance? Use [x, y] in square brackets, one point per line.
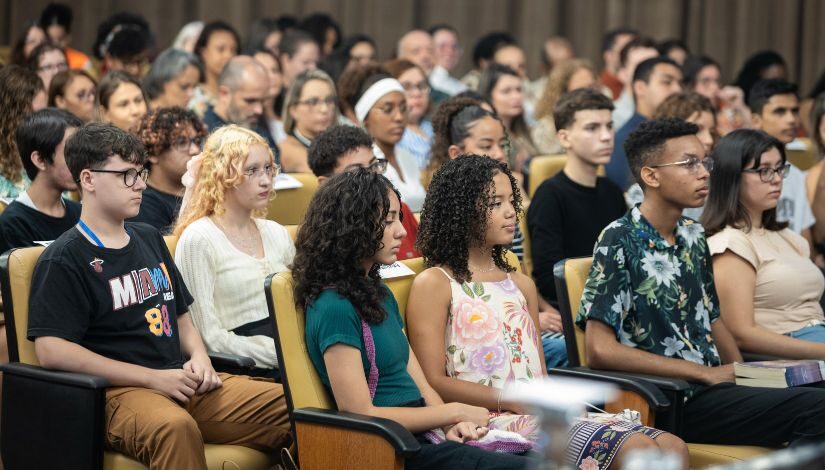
[163, 434]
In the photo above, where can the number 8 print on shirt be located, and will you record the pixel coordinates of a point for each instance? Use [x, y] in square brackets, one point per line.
[137, 286]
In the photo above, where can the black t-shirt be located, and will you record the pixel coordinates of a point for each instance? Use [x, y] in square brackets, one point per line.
[564, 220]
[120, 303]
[158, 209]
[22, 226]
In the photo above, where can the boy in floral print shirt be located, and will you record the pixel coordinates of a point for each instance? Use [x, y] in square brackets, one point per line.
[649, 305]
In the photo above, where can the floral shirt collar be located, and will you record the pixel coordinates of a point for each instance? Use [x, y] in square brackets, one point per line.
[657, 297]
[688, 231]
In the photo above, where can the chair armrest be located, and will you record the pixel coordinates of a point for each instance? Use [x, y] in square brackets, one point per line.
[650, 392]
[669, 384]
[92, 382]
[51, 419]
[668, 418]
[399, 437]
[225, 361]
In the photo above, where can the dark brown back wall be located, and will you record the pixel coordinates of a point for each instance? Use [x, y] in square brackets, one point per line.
[727, 30]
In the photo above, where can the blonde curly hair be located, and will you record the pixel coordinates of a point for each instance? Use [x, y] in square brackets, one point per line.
[221, 169]
[557, 83]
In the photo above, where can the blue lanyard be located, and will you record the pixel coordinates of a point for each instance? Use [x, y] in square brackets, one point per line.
[89, 232]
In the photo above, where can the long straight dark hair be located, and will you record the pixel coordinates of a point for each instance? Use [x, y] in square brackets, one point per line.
[737, 151]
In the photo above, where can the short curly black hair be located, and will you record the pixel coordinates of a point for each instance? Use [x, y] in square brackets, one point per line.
[160, 127]
[647, 142]
[332, 144]
[343, 227]
[457, 211]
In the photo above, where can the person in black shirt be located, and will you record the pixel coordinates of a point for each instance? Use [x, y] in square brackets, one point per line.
[172, 136]
[569, 210]
[107, 300]
[41, 214]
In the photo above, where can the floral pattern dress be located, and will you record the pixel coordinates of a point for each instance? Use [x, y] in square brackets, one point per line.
[491, 340]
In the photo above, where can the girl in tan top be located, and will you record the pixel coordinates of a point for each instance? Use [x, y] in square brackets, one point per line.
[769, 289]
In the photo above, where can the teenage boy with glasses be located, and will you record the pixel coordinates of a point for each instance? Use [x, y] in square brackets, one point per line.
[107, 300]
[171, 136]
[650, 306]
[344, 148]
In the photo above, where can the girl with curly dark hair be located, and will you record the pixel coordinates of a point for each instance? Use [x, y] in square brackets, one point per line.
[473, 320]
[172, 136]
[463, 125]
[351, 227]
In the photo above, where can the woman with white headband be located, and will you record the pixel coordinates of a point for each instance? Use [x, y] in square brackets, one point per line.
[372, 98]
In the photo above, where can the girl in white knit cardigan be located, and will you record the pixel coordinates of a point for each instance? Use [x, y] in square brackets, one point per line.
[226, 249]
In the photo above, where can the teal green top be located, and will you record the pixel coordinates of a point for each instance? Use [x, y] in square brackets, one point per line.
[331, 319]
[10, 189]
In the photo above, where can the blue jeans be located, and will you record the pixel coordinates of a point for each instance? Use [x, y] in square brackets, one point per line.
[815, 333]
[555, 351]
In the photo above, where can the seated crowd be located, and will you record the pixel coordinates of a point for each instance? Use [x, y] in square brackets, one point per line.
[707, 241]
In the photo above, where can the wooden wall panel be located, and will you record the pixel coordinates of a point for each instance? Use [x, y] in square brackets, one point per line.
[728, 30]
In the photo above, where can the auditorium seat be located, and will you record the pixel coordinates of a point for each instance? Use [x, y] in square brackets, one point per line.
[326, 438]
[571, 276]
[526, 245]
[544, 167]
[802, 153]
[289, 205]
[55, 419]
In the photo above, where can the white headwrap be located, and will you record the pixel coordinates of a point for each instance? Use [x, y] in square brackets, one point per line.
[375, 93]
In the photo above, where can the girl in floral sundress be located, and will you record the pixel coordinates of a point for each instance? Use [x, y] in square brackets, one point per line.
[471, 319]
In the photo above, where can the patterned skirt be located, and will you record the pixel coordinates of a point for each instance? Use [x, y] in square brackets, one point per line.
[592, 444]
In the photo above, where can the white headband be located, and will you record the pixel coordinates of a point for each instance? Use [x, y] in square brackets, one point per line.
[373, 94]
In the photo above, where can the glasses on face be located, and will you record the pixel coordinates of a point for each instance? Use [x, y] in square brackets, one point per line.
[378, 166]
[60, 67]
[84, 95]
[766, 174]
[182, 144]
[270, 171]
[423, 86]
[315, 103]
[130, 176]
[692, 164]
